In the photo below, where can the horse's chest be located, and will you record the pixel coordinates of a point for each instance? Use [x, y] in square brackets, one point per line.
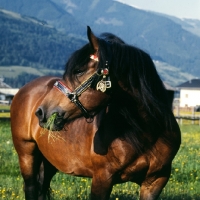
[66, 155]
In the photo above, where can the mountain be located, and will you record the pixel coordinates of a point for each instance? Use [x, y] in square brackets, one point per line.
[191, 25]
[30, 42]
[164, 38]
[44, 10]
[171, 75]
[161, 37]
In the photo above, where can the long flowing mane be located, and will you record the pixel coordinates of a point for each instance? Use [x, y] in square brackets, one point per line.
[139, 110]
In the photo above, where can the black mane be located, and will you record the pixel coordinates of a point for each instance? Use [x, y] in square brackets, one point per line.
[139, 110]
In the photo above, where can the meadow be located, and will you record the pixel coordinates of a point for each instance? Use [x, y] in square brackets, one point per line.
[4, 108]
[184, 182]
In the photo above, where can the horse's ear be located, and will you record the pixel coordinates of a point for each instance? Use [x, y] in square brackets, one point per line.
[92, 38]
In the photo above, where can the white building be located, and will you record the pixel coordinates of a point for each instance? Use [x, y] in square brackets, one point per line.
[190, 93]
[6, 92]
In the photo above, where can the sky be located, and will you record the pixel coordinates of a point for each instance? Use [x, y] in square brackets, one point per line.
[178, 8]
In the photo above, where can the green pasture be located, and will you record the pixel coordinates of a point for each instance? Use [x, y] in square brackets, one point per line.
[184, 182]
[4, 107]
[14, 71]
[4, 114]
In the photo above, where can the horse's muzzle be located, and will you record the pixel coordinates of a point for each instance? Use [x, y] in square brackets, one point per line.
[54, 122]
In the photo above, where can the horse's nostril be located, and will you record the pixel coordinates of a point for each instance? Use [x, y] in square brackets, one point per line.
[40, 114]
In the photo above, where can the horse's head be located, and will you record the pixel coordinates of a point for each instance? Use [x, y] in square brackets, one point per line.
[83, 90]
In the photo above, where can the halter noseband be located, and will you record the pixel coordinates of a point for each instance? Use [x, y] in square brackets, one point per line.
[101, 85]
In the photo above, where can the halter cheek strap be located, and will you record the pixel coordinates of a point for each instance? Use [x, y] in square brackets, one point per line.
[72, 96]
[62, 88]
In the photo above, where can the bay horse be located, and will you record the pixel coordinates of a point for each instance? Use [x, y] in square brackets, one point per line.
[112, 121]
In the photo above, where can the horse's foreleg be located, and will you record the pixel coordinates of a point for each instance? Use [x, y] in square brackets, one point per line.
[47, 171]
[101, 186]
[30, 159]
[152, 187]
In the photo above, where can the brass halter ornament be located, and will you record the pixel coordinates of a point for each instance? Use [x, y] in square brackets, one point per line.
[101, 85]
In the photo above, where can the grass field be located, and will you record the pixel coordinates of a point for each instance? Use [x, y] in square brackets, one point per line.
[184, 182]
[14, 71]
[4, 107]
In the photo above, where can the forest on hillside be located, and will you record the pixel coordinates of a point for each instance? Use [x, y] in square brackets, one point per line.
[28, 43]
[23, 78]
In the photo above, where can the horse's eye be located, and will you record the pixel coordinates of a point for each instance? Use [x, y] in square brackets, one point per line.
[79, 72]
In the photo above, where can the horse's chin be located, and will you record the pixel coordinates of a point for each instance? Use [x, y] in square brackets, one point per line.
[57, 127]
[53, 127]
